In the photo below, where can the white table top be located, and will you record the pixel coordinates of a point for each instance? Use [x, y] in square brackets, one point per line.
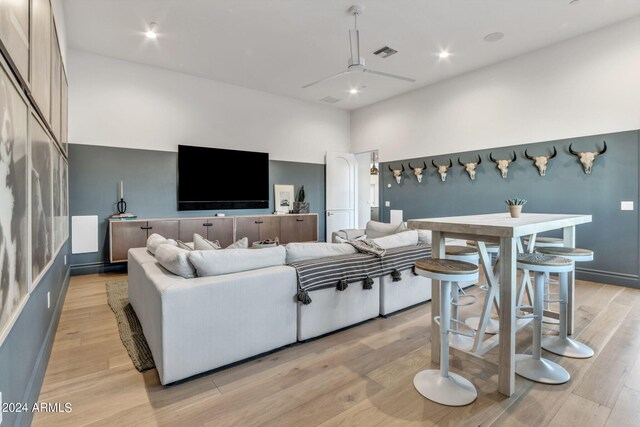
[500, 224]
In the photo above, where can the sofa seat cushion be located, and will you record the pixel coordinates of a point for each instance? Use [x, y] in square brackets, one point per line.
[399, 240]
[156, 240]
[377, 229]
[214, 263]
[297, 252]
[176, 260]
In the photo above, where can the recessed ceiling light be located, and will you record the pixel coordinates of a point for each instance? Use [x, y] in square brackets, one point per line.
[152, 32]
[353, 91]
[494, 37]
[444, 54]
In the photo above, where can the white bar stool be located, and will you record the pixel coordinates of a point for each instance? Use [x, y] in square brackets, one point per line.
[562, 344]
[547, 242]
[493, 325]
[461, 341]
[533, 366]
[440, 385]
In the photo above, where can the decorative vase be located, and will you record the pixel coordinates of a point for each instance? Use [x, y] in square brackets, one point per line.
[515, 210]
[300, 207]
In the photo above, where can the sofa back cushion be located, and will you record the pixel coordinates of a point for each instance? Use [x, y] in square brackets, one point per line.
[156, 240]
[214, 263]
[240, 244]
[297, 252]
[406, 238]
[377, 229]
[176, 260]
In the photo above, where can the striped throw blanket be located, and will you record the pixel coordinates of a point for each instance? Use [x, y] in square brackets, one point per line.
[340, 271]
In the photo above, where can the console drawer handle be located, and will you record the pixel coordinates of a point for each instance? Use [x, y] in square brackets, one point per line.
[207, 224]
[300, 220]
[146, 228]
[259, 222]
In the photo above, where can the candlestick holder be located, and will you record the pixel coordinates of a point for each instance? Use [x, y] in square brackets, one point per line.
[121, 206]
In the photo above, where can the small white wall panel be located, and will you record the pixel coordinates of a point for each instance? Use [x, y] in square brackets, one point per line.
[84, 234]
[396, 216]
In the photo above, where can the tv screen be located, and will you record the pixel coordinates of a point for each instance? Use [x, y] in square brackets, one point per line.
[213, 178]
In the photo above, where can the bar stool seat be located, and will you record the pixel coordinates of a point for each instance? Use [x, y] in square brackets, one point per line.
[546, 242]
[562, 344]
[492, 248]
[440, 385]
[460, 250]
[534, 366]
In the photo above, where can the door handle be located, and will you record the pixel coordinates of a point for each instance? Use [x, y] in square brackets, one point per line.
[329, 214]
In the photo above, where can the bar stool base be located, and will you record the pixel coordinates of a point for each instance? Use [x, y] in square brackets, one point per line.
[541, 371]
[461, 342]
[453, 390]
[550, 320]
[566, 347]
[493, 326]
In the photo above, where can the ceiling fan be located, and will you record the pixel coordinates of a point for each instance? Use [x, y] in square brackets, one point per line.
[356, 62]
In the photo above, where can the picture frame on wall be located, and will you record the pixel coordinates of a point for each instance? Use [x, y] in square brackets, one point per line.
[283, 198]
[14, 194]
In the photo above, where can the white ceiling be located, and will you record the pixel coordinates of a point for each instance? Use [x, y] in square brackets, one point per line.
[278, 46]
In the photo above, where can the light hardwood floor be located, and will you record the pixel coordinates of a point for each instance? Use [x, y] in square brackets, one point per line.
[360, 376]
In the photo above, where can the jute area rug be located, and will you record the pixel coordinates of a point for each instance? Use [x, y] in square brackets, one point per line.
[129, 326]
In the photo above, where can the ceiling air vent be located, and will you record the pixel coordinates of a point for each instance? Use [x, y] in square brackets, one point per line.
[385, 52]
[329, 100]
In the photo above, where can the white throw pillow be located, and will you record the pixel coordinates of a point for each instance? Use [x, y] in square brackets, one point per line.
[156, 240]
[202, 244]
[424, 237]
[176, 260]
[214, 263]
[377, 229]
[240, 244]
[399, 240]
[297, 252]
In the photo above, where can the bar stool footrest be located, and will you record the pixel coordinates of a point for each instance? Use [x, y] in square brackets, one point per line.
[525, 316]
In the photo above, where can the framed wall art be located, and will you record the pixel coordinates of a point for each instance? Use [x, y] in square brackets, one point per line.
[283, 198]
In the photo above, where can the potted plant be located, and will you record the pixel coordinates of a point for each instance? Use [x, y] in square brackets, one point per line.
[300, 206]
[515, 206]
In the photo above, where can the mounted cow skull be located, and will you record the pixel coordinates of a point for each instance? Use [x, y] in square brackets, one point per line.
[442, 169]
[418, 171]
[503, 165]
[470, 167]
[397, 173]
[587, 157]
[541, 162]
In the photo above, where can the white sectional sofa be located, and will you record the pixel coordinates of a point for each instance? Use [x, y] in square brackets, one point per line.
[197, 324]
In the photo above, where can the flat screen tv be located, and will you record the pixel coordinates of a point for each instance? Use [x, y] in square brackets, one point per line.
[213, 178]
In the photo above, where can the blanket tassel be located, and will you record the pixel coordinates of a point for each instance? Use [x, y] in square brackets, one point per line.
[367, 283]
[413, 270]
[396, 276]
[303, 297]
[342, 285]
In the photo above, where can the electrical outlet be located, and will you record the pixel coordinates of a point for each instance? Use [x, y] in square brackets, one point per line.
[626, 206]
[48, 299]
[387, 203]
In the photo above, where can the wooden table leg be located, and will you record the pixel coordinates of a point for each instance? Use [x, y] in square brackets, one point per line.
[437, 251]
[507, 350]
[569, 236]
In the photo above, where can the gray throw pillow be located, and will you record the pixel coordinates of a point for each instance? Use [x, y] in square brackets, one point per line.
[398, 240]
[377, 229]
[240, 244]
[183, 245]
[156, 240]
[176, 260]
[202, 244]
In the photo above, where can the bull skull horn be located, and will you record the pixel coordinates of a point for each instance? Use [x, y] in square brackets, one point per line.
[554, 152]
[575, 153]
[411, 167]
[514, 157]
[491, 157]
[526, 154]
[424, 164]
[402, 167]
[479, 160]
[459, 162]
[434, 164]
[450, 163]
[604, 149]
[390, 168]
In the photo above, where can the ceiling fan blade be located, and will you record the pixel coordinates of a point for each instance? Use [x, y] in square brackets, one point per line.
[354, 45]
[325, 79]
[393, 76]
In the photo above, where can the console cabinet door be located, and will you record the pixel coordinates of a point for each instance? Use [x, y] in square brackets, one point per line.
[249, 227]
[308, 228]
[289, 229]
[189, 227]
[169, 229]
[221, 229]
[126, 235]
[269, 228]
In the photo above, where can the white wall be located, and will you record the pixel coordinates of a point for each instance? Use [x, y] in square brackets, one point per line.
[122, 104]
[584, 86]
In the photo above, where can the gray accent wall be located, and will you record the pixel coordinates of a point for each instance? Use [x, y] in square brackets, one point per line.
[613, 234]
[24, 354]
[150, 190]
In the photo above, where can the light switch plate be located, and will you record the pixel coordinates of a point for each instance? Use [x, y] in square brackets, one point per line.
[626, 206]
[387, 203]
[48, 299]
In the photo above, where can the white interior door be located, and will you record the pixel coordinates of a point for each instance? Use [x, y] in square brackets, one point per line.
[340, 191]
[363, 189]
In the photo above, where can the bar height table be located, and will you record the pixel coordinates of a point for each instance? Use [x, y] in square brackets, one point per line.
[498, 228]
